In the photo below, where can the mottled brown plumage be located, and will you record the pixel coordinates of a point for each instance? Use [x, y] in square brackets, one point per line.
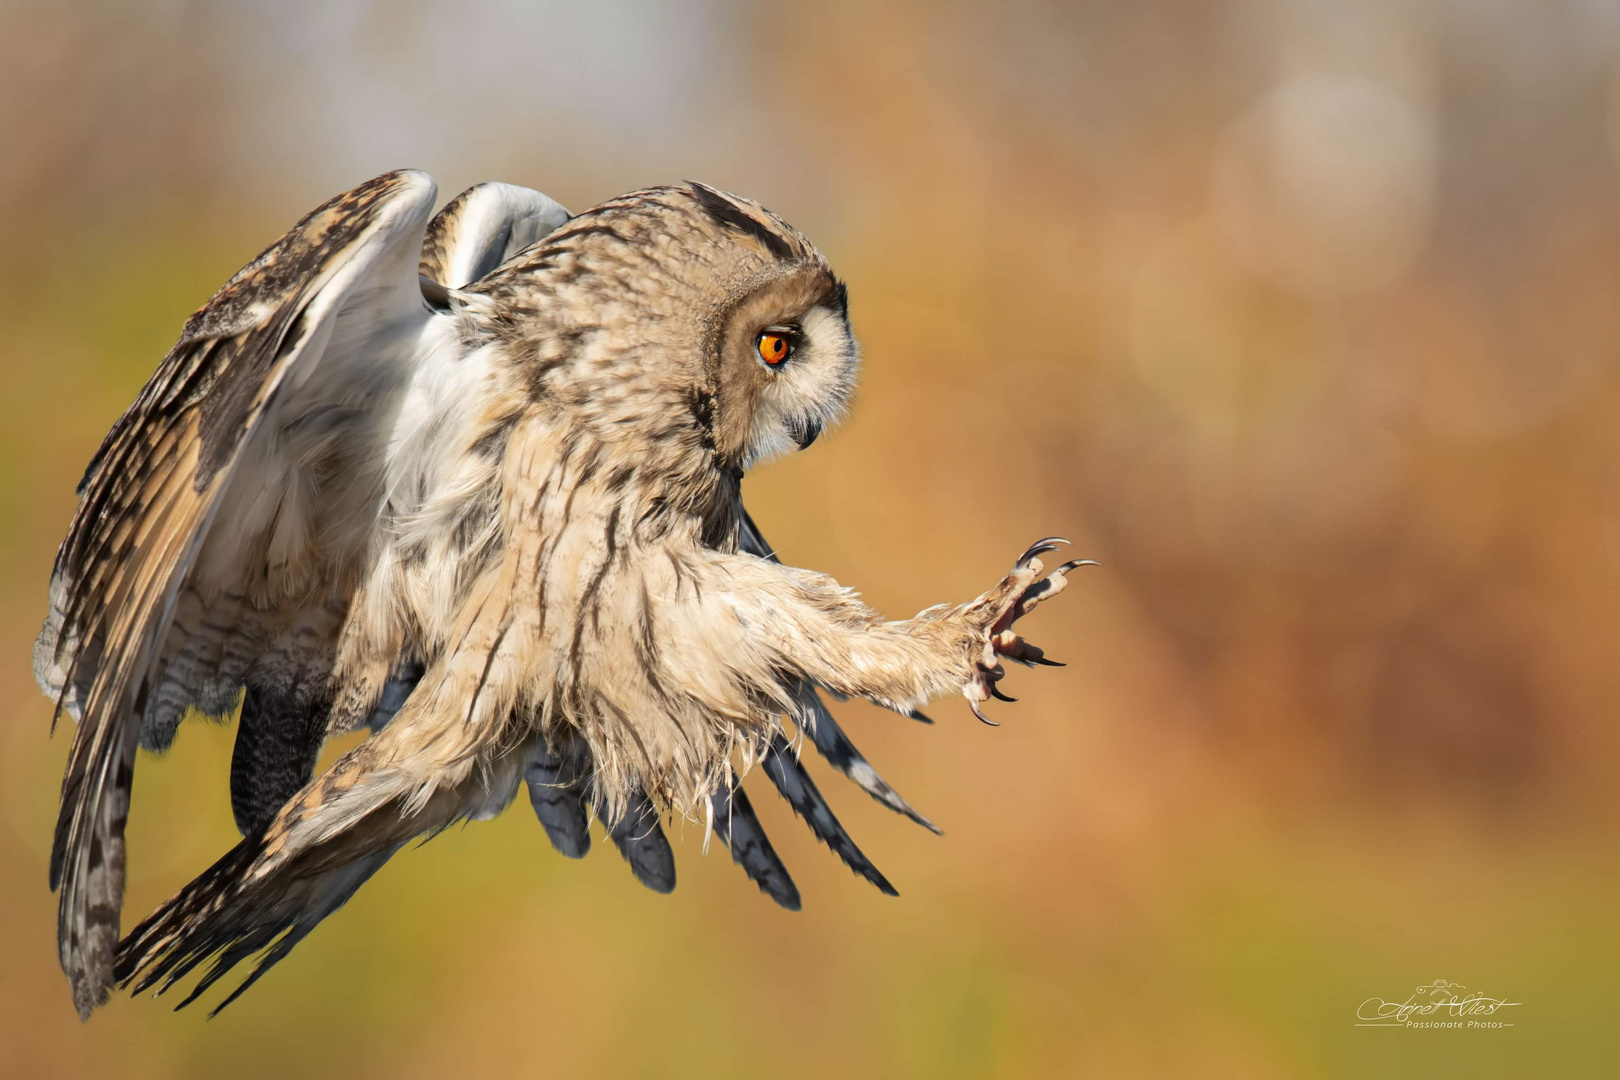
[473, 483]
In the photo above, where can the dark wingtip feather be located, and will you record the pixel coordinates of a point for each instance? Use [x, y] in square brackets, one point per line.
[556, 794]
[640, 839]
[60, 838]
[738, 827]
[829, 739]
[793, 780]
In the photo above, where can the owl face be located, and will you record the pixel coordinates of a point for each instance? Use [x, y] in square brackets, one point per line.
[690, 300]
[787, 365]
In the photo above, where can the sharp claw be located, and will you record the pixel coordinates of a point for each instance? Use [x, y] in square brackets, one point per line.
[920, 716]
[1040, 547]
[1066, 567]
[983, 719]
[998, 695]
[1048, 663]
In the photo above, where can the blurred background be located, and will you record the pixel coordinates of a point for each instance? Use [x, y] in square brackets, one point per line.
[1300, 317]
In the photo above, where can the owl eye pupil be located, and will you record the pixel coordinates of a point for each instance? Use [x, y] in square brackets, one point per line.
[773, 348]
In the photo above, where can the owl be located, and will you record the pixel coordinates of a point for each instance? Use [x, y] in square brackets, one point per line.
[473, 482]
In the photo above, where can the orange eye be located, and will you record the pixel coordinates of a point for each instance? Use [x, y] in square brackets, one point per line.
[774, 348]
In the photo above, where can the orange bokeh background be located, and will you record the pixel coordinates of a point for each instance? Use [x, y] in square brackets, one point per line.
[1301, 318]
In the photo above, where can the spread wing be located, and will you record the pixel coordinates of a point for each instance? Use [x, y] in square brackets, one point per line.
[225, 523]
[194, 542]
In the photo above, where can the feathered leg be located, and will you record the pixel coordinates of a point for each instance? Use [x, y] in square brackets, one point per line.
[772, 628]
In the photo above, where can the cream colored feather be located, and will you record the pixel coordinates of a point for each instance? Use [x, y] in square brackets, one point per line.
[474, 483]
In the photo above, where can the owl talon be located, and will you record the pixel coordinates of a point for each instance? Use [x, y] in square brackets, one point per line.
[1047, 587]
[1016, 649]
[1016, 596]
[1039, 547]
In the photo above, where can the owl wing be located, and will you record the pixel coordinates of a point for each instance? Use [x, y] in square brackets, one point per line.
[329, 316]
[481, 228]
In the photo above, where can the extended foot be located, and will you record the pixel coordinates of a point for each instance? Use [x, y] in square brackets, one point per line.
[996, 611]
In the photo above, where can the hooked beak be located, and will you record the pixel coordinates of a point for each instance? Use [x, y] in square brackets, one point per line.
[805, 431]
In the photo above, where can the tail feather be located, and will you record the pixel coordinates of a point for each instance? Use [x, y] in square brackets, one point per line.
[337, 887]
[738, 827]
[792, 779]
[266, 895]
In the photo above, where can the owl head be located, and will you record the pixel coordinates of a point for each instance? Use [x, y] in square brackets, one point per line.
[705, 301]
[780, 344]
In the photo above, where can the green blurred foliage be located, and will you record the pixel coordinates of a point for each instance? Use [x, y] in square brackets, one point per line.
[1299, 317]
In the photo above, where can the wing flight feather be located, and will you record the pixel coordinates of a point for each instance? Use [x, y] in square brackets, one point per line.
[151, 500]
